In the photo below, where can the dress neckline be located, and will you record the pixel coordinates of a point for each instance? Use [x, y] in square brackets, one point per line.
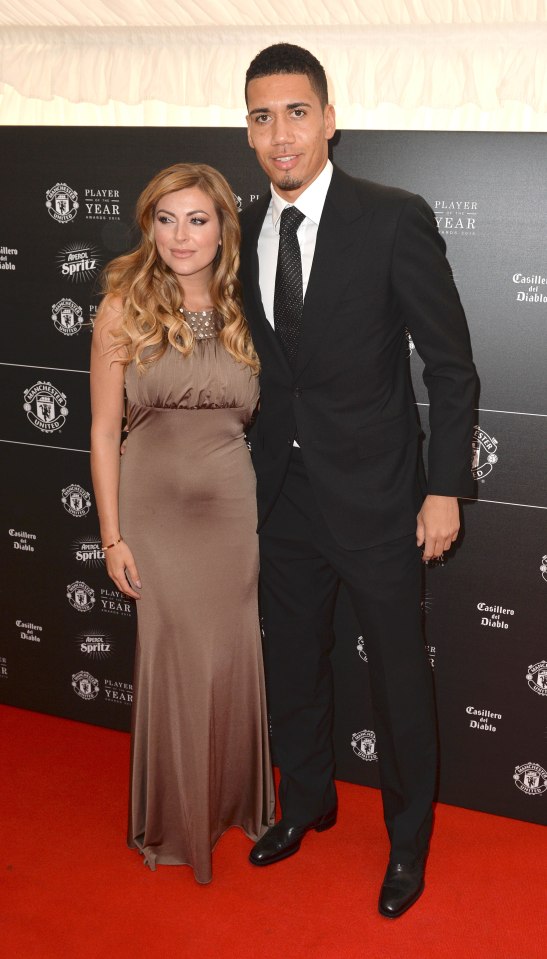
[205, 324]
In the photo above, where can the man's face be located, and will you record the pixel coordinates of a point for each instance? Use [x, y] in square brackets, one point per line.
[288, 130]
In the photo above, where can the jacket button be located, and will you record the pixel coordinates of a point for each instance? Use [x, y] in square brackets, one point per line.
[297, 392]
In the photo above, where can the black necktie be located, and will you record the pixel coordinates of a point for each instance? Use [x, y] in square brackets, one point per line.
[288, 296]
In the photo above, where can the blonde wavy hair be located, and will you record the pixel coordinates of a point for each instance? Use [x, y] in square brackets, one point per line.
[151, 294]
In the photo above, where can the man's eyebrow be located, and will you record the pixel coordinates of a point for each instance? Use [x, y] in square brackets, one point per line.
[289, 106]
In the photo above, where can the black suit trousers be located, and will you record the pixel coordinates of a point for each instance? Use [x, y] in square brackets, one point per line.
[301, 568]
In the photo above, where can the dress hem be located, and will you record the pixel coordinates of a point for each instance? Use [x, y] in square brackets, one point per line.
[152, 859]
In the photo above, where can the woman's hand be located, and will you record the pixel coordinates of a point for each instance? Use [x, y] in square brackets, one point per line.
[121, 568]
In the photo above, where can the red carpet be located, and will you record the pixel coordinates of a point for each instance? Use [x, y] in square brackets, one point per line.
[70, 887]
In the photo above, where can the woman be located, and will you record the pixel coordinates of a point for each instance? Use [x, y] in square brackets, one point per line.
[178, 518]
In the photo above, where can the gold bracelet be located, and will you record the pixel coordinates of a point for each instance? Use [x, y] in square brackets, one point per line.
[110, 545]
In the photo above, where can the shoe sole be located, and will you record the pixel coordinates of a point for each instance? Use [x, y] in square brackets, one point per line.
[273, 859]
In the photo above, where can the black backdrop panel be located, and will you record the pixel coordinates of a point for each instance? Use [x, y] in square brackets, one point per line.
[67, 637]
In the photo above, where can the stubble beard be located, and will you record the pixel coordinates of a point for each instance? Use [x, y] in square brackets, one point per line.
[288, 183]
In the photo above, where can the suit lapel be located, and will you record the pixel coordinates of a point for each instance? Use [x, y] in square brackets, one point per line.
[339, 245]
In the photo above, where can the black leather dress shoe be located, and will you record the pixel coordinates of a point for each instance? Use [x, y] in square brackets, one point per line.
[283, 839]
[401, 887]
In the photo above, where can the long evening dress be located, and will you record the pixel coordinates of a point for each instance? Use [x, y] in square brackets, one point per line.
[199, 751]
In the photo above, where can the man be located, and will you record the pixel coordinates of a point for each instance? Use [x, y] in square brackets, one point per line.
[341, 495]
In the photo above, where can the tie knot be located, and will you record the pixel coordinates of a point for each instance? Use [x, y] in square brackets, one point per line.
[291, 218]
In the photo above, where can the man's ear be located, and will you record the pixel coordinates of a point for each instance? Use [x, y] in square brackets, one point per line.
[249, 135]
[329, 117]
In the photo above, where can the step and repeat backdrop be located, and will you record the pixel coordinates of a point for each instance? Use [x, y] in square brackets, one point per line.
[67, 636]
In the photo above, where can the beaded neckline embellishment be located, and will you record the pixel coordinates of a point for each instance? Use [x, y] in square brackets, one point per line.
[205, 324]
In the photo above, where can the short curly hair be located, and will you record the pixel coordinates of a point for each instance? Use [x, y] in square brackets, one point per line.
[288, 58]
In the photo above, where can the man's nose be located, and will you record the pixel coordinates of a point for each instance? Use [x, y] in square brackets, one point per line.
[282, 131]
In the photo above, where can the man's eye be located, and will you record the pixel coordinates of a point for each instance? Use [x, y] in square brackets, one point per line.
[262, 118]
[299, 113]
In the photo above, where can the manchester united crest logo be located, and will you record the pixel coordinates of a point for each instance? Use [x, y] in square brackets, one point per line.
[67, 317]
[45, 407]
[85, 685]
[62, 202]
[76, 500]
[80, 596]
[364, 745]
[531, 778]
[361, 649]
[485, 453]
[537, 677]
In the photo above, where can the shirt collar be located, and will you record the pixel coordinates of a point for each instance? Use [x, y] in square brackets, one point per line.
[310, 202]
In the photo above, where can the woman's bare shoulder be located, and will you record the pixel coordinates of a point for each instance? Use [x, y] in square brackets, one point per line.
[110, 313]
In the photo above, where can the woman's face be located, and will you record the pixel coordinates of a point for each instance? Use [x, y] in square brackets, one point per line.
[187, 233]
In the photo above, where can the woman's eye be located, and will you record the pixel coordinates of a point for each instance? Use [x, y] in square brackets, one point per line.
[164, 219]
[198, 220]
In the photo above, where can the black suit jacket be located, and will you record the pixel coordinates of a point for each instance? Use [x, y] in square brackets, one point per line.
[379, 268]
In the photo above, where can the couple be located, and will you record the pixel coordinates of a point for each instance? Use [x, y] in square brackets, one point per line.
[333, 271]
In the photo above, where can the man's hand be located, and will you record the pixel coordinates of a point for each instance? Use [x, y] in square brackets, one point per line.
[438, 525]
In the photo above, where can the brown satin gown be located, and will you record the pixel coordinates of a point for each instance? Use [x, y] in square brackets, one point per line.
[199, 751]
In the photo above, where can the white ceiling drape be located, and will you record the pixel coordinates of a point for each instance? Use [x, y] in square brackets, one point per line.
[422, 64]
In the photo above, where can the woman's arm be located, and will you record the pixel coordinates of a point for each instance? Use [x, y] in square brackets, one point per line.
[107, 384]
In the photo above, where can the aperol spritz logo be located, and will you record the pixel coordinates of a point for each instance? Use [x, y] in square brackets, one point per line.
[88, 551]
[79, 262]
[96, 644]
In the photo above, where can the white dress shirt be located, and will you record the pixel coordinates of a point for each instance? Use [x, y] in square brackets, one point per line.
[310, 203]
